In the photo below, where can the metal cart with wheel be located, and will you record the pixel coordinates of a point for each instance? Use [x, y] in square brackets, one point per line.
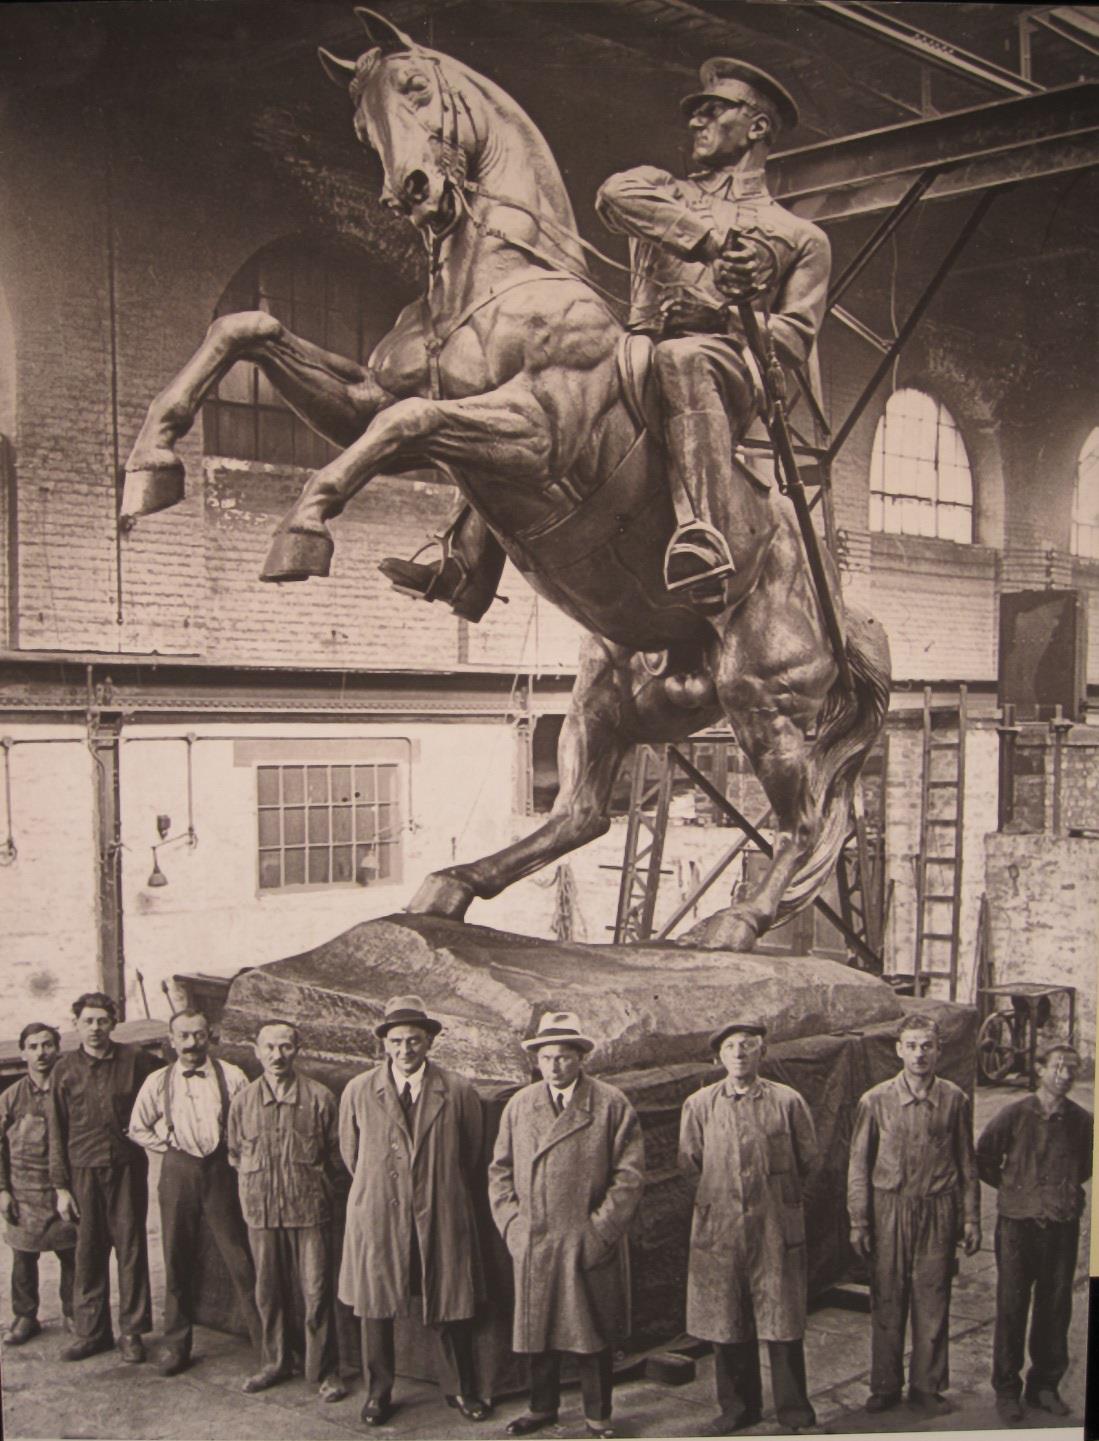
[1008, 1039]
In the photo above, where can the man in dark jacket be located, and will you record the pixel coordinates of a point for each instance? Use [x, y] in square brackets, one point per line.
[102, 1179]
[27, 1200]
[1037, 1154]
[410, 1133]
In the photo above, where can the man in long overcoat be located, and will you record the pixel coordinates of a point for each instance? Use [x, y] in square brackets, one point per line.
[565, 1181]
[751, 1143]
[411, 1134]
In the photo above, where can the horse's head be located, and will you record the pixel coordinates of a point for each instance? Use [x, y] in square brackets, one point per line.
[406, 109]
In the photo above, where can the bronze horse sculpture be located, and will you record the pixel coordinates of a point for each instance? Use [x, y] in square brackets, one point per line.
[510, 376]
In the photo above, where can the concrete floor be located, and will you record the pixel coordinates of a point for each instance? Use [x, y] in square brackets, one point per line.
[103, 1398]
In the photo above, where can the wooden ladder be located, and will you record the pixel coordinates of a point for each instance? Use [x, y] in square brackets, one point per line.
[939, 859]
[650, 797]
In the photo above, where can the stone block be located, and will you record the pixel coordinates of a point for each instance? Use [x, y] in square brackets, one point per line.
[644, 1005]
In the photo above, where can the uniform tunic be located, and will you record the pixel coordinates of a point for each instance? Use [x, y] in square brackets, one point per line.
[667, 220]
[25, 1170]
[752, 1152]
[564, 1189]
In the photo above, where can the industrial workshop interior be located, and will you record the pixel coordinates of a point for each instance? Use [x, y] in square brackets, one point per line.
[695, 718]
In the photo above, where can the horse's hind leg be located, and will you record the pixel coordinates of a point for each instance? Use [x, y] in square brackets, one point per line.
[331, 394]
[593, 742]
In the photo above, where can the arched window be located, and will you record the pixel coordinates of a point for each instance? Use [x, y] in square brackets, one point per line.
[333, 296]
[920, 480]
[1085, 499]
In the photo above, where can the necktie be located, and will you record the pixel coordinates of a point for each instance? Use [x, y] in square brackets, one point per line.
[559, 1101]
[406, 1100]
[198, 1071]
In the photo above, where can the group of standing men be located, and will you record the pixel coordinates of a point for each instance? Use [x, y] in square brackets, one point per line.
[257, 1164]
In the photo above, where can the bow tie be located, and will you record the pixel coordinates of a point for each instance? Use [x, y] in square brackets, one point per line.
[195, 1071]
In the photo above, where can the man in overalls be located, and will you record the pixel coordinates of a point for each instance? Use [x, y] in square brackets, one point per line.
[28, 1202]
[182, 1112]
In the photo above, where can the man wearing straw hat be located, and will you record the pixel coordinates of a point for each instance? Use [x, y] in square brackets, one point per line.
[751, 1143]
[565, 1181]
[410, 1134]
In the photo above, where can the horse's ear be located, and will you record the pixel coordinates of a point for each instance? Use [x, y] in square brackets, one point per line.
[338, 71]
[383, 32]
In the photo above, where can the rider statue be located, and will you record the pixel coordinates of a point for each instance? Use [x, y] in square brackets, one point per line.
[698, 247]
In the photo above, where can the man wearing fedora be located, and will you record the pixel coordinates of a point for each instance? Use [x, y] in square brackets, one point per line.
[698, 247]
[411, 1134]
[565, 1181]
[751, 1143]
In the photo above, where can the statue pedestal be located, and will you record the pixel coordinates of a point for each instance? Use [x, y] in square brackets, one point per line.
[645, 1005]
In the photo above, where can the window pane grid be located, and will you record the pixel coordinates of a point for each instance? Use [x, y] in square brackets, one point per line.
[920, 478]
[324, 825]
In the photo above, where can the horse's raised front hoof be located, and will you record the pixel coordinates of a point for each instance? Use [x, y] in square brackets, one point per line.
[725, 931]
[441, 894]
[298, 554]
[152, 487]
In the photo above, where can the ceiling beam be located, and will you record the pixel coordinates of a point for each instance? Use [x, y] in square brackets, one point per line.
[1027, 138]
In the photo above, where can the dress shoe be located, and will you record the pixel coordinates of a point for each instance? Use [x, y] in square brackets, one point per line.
[89, 1346]
[882, 1401]
[171, 1363]
[1010, 1410]
[332, 1389]
[23, 1328]
[376, 1411]
[729, 1425]
[600, 1428]
[1048, 1400]
[131, 1349]
[263, 1380]
[930, 1403]
[473, 1408]
[528, 1422]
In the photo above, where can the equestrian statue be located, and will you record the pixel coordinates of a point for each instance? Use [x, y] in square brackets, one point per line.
[605, 461]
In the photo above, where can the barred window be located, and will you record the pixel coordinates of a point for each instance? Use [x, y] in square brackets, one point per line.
[336, 298]
[920, 478]
[328, 825]
[1085, 500]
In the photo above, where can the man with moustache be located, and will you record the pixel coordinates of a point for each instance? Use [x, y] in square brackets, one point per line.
[411, 1133]
[284, 1145]
[565, 1182]
[912, 1189]
[102, 1179]
[751, 1143]
[1037, 1154]
[28, 1202]
[182, 1112]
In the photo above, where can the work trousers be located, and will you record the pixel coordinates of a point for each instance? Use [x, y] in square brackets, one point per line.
[740, 1386]
[911, 1270]
[290, 1259]
[113, 1203]
[24, 1282]
[1039, 1257]
[454, 1369]
[197, 1192]
[596, 1382]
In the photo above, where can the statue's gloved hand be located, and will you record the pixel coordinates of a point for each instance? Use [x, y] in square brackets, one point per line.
[744, 269]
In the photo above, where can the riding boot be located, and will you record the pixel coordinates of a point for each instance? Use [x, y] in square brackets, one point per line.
[466, 574]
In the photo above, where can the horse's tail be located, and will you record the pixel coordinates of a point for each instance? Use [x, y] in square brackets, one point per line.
[848, 727]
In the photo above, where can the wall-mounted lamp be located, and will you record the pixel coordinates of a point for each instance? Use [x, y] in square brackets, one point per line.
[157, 877]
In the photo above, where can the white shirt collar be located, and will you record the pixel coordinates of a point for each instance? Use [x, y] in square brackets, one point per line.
[415, 1081]
[563, 1091]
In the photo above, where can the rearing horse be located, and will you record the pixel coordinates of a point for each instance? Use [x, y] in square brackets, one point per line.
[509, 376]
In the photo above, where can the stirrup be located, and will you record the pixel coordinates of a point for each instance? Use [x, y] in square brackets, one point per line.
[437, 569]
[703, 542]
